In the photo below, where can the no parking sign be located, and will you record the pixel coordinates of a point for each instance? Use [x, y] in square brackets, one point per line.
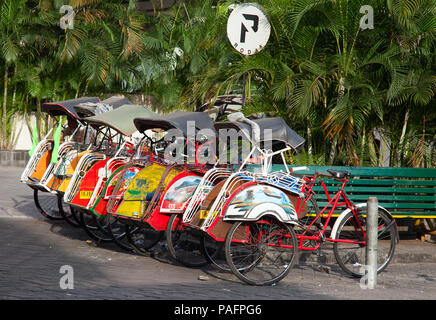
[248, 28]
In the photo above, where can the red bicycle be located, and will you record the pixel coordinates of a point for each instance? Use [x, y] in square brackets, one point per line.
[262, 252]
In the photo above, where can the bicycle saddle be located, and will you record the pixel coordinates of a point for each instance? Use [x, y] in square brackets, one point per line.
[339, 174]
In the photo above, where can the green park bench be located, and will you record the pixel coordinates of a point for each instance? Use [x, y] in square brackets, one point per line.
[405, 192]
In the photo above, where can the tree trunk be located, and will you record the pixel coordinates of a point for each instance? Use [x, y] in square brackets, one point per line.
[362, 147]
[38, 119]
[432, 152]
[372, 152]
[333, 151]
[47, 123]
[77, 91]
[29, 127]
[309, 143]
[86, 88]
[14, 94]
[341, 93]
[402, 137]
[4, 113]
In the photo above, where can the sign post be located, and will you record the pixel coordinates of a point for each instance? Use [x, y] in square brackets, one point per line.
[248, 30]
[372, 246]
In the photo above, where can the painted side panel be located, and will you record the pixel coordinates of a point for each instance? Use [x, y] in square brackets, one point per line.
[255, 201]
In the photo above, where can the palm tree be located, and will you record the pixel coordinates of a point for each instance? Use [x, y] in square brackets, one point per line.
[414, 31]
[24, 35]
[319, 63]
[13, 16]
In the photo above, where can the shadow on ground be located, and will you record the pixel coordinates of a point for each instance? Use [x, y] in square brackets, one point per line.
[34, 251]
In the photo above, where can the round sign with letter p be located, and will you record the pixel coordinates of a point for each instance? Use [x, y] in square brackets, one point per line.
[248, 28]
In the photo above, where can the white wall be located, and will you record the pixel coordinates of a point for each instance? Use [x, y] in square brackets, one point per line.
[22, 134]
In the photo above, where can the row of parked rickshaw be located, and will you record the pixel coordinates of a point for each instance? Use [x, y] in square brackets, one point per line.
[116, 171]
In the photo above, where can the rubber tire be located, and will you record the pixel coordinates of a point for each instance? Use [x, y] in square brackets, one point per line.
[172, 245]
[393, 234]
[45, 211]
[96, 230]
[143, 250]
[211, 257]
[125, 245]
[72, 217]
[241, 273]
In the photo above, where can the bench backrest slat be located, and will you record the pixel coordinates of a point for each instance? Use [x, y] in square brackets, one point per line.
[406, 192]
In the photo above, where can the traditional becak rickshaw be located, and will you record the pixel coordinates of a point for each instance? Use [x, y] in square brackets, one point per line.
[75, 138]
[161, 188]
[92, 185]
[84, 136]
[150, 148]
[43, 155]
[219, 186]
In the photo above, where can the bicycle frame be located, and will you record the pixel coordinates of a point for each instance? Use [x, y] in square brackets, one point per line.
[334, 203]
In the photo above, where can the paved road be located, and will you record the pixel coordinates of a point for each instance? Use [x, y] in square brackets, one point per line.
[33, 250]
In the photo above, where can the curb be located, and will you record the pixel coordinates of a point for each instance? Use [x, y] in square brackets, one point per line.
[417, 253]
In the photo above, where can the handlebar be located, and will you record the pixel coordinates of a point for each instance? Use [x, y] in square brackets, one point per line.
[323, 174]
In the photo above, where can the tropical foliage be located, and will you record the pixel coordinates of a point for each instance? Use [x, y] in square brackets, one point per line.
[334, 82]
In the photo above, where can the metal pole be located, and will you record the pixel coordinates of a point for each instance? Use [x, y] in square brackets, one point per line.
[371, 244]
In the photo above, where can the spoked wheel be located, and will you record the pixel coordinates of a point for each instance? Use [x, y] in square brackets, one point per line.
[183, 245]
[351, 256]
[143, 238]
[214, 252]
[68, 212]
[118, 231]
[261, 252]
[47, 204]
[95, 227]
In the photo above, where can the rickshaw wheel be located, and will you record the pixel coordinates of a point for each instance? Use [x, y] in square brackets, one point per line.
[46, 203]
[95, 227]
[118, 231]
[143, 238]
[214, 252]
[183, 246]
[72, 216]
[261, 252]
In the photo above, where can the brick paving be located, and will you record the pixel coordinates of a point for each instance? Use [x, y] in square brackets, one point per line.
[32, 251]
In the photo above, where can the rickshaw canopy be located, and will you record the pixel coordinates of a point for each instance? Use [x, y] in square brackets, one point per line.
[121, 118]
[176, 120]
[66, 107]
[89, 109]
[278, 128]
